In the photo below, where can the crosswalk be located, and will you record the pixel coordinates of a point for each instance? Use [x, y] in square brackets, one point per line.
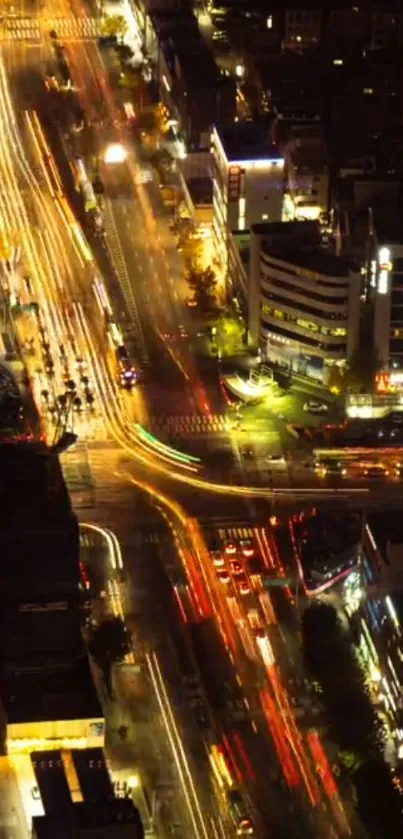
[91, 539]
[190, 424]
[34, 28]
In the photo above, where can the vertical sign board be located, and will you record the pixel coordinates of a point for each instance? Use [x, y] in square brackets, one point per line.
[384, 269]
[234, 183]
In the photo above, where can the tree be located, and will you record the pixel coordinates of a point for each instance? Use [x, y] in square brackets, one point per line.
[362, 369]
[330, 658]
[353, 722]
[109, 643]
[203, 284]
[230, 335]
[336, 381]
[148, 122]
[379, 803]
[192, 249]
[124, 52]
[114, 25]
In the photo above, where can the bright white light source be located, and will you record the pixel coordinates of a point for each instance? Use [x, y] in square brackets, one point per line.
[265, 650]
[269, 22]
[383, 256]
[239, 71]
[115, 153]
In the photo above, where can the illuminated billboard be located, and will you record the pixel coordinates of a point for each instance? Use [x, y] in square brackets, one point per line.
[384, 269]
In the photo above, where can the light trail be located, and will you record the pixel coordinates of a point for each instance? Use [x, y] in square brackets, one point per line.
[188, 787]
[328, 781]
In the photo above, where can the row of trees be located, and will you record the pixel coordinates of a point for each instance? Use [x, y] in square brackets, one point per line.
[202, 281]
[109, 643]
[353, 723]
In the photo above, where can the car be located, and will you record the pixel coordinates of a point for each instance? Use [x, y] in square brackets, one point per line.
[247, 548]
[218, 559]
[275, 458]
[313, 407]
[223, 577]
[230, 548]
[330, 467]
[377, 472]
[235, 567]
[255, 620]
[243, 587]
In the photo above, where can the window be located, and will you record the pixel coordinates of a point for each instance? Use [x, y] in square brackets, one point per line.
[311, 295]
[310, 342]
[269, 22]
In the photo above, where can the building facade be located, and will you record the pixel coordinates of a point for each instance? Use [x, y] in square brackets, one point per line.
[304, 303]
[387, 282]
[248, 182]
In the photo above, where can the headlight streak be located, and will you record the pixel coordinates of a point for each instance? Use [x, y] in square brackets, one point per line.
[181, 762]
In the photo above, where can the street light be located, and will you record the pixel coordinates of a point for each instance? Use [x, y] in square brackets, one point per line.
[115, 153]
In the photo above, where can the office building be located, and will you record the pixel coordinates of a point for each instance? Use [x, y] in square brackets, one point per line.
[47, 693]
[306, 172]
[304, 303]
[194, 90]
[248, 181]
[118, 819]
[386, 278]
[302, 27]
[51, 708]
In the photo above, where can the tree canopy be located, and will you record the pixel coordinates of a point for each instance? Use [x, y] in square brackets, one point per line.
[109, 643]
[362, 369]
[353, 722]
[203, 285]
[114, 25]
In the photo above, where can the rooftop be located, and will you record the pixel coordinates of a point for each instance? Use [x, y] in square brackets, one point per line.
[201, 190]
[102, 819]
[65, 693]
[39, 559]
[32, 489]
[175, 28]
[311, 259]
[197, 64]
[248, 141]
[298, 243]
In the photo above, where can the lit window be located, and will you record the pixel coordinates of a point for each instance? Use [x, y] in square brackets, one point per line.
[338, 61]
[265, 216]
[368, 91]
[298, 38]
[270, 22]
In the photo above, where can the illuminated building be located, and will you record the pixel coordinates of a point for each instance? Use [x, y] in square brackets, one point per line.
[306, 172]
[53, 709]
[247, 181]
[386, 279]
[303, 301]
[302, 28]
[191, 86]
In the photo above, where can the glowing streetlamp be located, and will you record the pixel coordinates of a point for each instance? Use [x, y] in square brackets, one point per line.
[115, 153]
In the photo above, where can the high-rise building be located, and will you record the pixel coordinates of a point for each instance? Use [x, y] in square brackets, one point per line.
[304, 303]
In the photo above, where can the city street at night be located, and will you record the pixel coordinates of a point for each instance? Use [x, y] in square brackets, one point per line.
[217, 508]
